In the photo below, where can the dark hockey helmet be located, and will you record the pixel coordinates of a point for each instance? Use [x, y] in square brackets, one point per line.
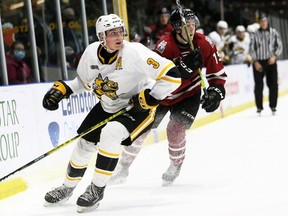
[175, 18]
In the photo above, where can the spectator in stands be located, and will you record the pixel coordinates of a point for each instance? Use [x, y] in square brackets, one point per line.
[47, 53]
[71, 38]
[265, 47]
[239, 46]
[219, 39]
[161, 28]
[23, 36]
[23, 33]
[8, 33]
[135, 37]
[70, 57]
[18, 71]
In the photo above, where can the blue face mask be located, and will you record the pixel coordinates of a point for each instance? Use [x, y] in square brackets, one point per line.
[19, 54]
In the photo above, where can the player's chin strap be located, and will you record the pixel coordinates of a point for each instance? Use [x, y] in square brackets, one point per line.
[103, 44]
[203, 85]
[183, 40]
[70, 140]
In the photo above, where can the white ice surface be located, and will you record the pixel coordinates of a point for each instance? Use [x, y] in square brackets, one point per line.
[236, 166]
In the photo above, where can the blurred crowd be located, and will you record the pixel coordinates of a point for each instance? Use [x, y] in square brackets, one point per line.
[232, 40]
[232, 43]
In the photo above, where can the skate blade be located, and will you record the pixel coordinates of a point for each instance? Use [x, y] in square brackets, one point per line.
[166, 183]
[117, 181]
[47, 204]
[81, 209]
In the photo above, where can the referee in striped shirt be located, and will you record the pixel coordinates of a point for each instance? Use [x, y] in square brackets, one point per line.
[265, 47]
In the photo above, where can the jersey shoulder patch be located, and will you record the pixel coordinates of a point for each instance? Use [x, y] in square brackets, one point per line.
[161, 46]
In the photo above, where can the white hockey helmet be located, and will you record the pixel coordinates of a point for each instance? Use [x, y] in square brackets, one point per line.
[108, 22]
[253, 27]
[240, 28]
[256, 25]
[222, 24]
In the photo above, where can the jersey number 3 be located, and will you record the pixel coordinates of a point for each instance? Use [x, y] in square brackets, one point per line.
[151, 61]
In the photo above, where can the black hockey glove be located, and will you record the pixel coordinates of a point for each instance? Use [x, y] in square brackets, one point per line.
[143, 101]
[58, 91]
[216, 93]
[190, 63]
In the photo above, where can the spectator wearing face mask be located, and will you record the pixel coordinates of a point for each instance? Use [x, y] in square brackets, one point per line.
[17, 69]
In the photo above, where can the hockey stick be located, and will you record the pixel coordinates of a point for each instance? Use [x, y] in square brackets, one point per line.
[69, 141]
[203, 85]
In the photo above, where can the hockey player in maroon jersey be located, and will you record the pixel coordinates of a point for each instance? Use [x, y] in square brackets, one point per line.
[184, 102]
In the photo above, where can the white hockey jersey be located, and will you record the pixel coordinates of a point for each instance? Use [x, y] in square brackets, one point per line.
[219, 42]
[134, 68]
[217, 39]
[240, 49]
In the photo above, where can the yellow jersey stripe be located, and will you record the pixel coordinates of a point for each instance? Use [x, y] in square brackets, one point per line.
[168, 66]
[77, 166]
[108, 154]
[144, 124]
[100, 57]
[103, 172]
[178, 81]
[113, 58]
[73, 178]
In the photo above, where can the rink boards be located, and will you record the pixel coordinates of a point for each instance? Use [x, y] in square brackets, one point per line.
[28, 130]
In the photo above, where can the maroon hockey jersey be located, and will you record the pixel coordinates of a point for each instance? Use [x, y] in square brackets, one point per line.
[215, 74]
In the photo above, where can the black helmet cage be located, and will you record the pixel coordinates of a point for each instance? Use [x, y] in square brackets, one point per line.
[176, 22]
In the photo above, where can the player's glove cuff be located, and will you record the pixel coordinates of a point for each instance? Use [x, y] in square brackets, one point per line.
[63, 88]
[58, 91]
[144, 101]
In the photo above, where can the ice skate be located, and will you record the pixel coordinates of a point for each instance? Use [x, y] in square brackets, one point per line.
[259, 111]
[171, 174]
[273, 111]
[90, 199]
[120, 175]
[58, 195]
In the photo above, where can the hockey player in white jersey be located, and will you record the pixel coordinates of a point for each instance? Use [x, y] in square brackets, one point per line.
[117, 71]
[220, 38]
[239, 46]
